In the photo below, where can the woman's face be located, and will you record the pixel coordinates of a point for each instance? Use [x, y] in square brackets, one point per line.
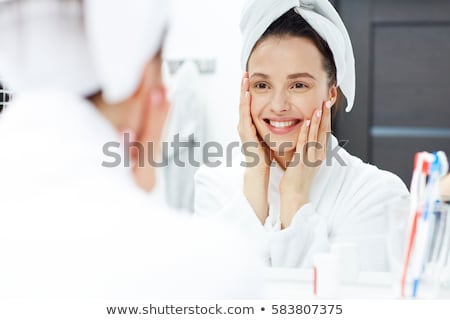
[288, 85]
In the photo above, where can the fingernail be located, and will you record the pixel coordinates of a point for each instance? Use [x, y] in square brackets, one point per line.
[328, 104]
[319, 113]
[247, 94]
[308, 122]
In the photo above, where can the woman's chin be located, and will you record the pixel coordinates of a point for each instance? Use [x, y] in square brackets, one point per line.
[285, 145]
[283, 149]
[280, 144]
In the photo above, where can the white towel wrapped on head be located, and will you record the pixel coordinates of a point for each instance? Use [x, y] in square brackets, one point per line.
[258, 15]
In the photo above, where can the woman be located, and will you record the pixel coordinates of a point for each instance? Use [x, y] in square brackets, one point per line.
[303, 192]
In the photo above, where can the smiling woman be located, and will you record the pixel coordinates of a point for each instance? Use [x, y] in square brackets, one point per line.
[305, 192]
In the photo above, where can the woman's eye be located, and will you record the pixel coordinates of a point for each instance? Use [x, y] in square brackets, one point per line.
[299, 85]
[261, 85]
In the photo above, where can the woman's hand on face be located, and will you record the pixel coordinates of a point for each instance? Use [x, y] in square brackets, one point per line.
[310, 152]
[257, 156]
[148, 136]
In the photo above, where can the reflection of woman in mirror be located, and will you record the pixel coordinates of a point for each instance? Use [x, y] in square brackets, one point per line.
[311, 193]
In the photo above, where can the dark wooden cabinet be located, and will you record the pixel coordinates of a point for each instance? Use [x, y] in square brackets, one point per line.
[402, 52]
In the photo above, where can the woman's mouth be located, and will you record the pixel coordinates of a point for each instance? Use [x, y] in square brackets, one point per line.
[282, 126]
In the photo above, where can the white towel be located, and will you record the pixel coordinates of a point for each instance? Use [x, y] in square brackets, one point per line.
[258, 15]
[80, 46]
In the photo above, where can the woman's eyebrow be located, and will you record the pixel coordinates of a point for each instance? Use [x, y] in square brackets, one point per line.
[258, 74]
[300, 75]
[291, 76]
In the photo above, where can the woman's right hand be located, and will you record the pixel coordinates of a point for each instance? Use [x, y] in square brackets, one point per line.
[257, 155]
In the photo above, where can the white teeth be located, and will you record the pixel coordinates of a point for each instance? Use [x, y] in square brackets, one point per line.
[282, 124]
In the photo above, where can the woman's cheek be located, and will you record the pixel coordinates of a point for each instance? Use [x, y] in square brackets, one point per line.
[255, 108]
[311, 101]
[307, 106]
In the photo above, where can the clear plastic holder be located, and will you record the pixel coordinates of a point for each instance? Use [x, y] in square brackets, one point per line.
[436, 271]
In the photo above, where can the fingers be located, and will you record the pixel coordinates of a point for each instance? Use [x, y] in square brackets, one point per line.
[312, 141]
[268, 152]
[315, 124]
[156, 112]
[244, 105]
[303, 139]
[153, 117]
[324, 129]
[246, 128]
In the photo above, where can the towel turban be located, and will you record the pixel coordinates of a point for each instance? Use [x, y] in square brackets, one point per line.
[258, 15]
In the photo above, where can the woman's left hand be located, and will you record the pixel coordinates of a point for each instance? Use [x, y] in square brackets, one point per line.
[309, 154]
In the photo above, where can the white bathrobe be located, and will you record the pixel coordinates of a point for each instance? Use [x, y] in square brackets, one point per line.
[71, 228]
[347, 205]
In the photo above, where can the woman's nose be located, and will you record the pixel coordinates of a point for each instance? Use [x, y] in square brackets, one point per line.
[279, 103]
